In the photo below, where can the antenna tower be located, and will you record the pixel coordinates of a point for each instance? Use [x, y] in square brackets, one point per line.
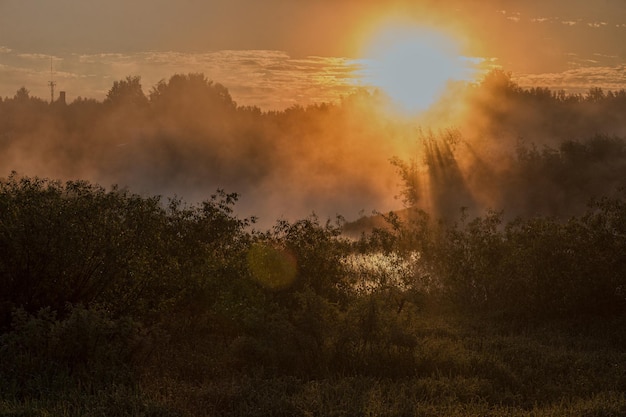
[51, 83]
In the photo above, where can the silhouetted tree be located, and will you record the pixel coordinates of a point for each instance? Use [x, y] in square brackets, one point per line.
[22, 94]
[595, 94]
[193, 88]
[191, 100]
[500, 82]
[127, 92]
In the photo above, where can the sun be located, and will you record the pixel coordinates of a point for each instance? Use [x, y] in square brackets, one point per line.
[413, 65]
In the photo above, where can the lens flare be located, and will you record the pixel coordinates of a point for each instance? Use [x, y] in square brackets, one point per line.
[274, 268]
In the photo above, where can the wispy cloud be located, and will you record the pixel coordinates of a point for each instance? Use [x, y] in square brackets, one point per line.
[35, 57]
[517, 17]
[265, 78]
[606, 56]
[579, 79]
[512, 16]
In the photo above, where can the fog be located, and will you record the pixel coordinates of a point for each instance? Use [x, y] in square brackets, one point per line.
[526, 152]
[187, 138]
[487, 145]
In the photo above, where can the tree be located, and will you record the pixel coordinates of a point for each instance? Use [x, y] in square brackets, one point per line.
[191, 92]
[127, 92]
[22, 94]
[500, 82]
[595, 94]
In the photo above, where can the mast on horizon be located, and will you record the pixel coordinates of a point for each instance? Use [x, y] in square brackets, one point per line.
[51, 83]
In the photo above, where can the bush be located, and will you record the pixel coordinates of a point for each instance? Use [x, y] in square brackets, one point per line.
[87, 350]
[538, 268]
[74, 243]
[77, 243]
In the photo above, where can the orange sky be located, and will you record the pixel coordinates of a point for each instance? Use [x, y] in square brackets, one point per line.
[278, 52]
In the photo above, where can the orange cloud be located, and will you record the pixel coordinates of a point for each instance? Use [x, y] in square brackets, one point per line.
[265, 78]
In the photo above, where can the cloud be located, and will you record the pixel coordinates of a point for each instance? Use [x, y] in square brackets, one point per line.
[606, 56]
[266, 78]
[269, 79]
[577, 80]
[35, 57]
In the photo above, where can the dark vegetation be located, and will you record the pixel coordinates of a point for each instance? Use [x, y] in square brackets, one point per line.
[114, 303]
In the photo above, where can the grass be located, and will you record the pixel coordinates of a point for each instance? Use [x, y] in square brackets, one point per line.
[462, 367]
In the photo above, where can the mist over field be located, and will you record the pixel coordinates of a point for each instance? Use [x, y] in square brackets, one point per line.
[486, 145]
[188, 138]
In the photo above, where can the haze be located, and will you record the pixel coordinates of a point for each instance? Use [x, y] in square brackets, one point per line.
[274, 59]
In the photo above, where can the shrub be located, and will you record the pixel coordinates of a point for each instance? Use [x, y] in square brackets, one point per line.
[88, 350]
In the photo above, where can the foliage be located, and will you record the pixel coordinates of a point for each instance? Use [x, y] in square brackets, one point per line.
[156, 310]
[535, 268]
[77, 243]
[87, 350]
[127, 92]
[189, 92]
[114, 303]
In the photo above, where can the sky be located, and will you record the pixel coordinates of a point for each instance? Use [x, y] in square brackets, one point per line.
[277, 53]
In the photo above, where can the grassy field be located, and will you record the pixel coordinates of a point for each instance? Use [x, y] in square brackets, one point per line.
[460, 367]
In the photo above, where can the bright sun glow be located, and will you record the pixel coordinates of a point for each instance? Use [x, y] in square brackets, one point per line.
[413, 65]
